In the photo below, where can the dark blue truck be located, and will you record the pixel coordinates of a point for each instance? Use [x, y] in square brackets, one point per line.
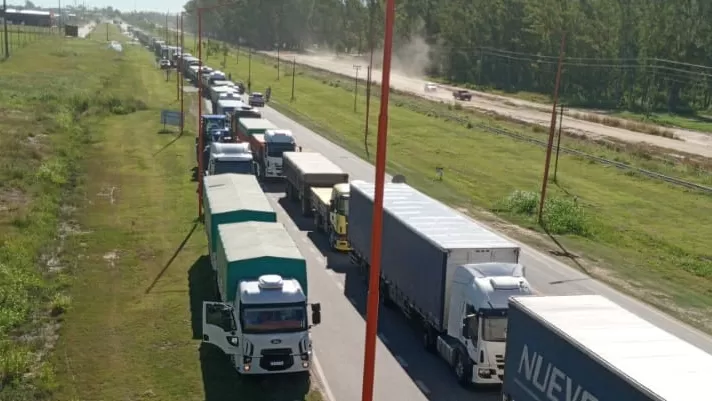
[587, 348]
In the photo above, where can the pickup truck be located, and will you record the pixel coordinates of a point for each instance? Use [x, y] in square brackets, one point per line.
[462, 94]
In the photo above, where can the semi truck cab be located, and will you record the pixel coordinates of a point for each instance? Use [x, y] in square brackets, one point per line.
[230, 158]
[331, 211]
[477, 320]
[276, 143]
[266, 329]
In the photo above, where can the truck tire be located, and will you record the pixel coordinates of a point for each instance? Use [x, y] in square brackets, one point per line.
[463, 369]
[428, 338]
[385, 295]
[305, 206]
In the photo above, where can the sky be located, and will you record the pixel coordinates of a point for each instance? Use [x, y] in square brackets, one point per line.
[124, 5]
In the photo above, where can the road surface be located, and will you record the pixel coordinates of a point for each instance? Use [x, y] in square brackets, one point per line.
[692, 142]
[404, 370]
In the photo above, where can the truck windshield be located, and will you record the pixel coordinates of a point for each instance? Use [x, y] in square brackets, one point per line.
[343, 206]
[276, 149]
[274, 320]
[238, 167]
[494, 329]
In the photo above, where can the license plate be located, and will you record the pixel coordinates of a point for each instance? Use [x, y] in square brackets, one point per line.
[276, 363]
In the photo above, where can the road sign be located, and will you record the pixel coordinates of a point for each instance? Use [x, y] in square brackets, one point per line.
[169, 117]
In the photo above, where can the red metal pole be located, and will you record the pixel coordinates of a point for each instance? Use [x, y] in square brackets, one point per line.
[200, 113]
[369, 360]
[551, 129]
[182, 81]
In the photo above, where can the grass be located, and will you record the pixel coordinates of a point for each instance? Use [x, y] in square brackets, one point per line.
[644, 236]
[140, 270]
[699, 122]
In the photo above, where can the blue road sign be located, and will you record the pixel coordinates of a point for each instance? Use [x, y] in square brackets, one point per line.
[169, 117]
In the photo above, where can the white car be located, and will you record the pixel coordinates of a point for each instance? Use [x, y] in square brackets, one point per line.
[431, 87]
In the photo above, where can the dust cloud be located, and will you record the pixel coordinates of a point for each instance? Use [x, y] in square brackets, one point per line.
[411, 59]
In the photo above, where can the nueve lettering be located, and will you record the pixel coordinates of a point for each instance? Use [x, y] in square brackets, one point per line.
[550, 380]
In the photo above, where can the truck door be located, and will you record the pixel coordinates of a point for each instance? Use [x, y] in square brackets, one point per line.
[219, 327]
[473, 329]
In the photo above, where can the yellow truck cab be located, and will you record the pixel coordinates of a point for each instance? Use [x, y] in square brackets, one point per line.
[331, 211]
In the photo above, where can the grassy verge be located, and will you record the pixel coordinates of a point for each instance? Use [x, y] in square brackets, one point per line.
[646, 237]
[141, 267]
[21, 36]
[699, 123]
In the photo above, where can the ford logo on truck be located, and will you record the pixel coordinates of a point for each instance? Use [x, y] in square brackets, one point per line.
[276, 341]
[549, 380]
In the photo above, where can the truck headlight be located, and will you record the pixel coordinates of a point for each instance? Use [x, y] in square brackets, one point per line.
[232, 340]
[484, 373]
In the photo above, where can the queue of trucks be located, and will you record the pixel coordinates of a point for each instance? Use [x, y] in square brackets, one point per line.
[462, 284]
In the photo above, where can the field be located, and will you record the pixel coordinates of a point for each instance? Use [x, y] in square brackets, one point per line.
[107, 201]
[20, 36]
[648, 238]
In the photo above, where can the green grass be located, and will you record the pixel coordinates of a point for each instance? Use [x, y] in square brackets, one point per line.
[141, 271]
[699, 123]
[646, 237]
[19, 37]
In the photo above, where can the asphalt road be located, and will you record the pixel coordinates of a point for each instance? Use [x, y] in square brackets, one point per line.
[404, 370]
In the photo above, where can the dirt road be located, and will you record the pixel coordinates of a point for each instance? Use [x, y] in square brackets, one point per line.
[690, 142]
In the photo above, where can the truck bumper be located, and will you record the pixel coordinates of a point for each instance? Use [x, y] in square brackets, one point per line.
[486, 376]
[257, 367]
[342, 245]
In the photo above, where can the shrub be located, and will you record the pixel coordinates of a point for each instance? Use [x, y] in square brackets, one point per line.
[561, 215]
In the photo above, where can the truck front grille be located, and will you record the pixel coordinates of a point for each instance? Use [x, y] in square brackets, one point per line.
[499, 359]
[276, 359]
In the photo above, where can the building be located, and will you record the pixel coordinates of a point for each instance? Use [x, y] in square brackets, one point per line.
[28, 17]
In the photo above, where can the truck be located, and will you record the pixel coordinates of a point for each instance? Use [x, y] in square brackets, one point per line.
[268, 149]
[230, 158]
[227, 106]
[261, 321]
[461, 94]
[306, 170]
[216, 91]
[246, 127]
[331, 210]
[451, 276]
[210, 122]
[587, 348]
[232, 198]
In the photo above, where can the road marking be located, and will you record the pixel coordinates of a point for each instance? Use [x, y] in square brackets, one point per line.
[402, 362]
[341, 286]
[422, 387]
[322, 378]
[331, 273]
[383, 338]
[304, 240]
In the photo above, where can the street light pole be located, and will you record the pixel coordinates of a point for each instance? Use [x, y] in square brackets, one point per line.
[200, 113]
[357, 68]
[182, 81]
[369, 359]
[249, 71]
[294, 73]
[4, 23]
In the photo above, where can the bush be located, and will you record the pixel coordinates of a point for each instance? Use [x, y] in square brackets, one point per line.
[561, 215]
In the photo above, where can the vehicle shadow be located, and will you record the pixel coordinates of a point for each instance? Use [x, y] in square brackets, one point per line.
[292, 209]
[273, 185]
[221, 382]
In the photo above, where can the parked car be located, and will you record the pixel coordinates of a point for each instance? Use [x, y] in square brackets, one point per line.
[257, 99]
[164, 64]
[431, 87]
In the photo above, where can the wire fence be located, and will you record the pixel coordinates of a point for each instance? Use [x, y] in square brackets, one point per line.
[19, 36]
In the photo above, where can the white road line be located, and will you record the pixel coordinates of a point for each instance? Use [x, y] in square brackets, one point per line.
[319, 372]
[383, 338]
[330, 272]
[422, 387]
[341, 286]
[402, 362]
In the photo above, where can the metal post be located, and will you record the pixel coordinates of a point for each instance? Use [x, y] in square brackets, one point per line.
[4, 23]
[294, 73]
[166, 30]
[249, 71]
[107, 31]
[178, 74]
[357, 68]
[277, 61]
[182, 81]
[200, 113]
[558, 142]
[551, 129]
[368, 109]
[369, 360]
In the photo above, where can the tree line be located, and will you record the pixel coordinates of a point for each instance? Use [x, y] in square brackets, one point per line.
[643, 55]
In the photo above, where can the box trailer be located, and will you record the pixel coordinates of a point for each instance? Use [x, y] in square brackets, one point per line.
[587, 348]
[304, 170]
[232, 198]
[248, 250]
[444, 271]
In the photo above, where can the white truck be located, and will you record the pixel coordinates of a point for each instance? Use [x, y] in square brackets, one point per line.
[262, 322]
[230, 158]
[448, 274]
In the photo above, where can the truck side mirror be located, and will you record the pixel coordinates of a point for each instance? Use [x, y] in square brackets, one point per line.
[316, 313]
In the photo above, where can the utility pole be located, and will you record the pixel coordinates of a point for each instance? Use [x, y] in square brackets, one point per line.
[558, 141]
[4, 23]
[107, 31]
[294, 73]
[166, 29]
[357, 68]
[249, 71]
[371, 8]
[182, 80]
[178, 59]
[551, 129]
[278, 61]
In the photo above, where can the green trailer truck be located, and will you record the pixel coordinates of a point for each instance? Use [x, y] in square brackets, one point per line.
[261, 322]
[232, 198]
[246, 127]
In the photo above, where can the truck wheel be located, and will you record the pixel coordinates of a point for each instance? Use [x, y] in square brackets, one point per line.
[385, 295]
[305, 207]
[463, 370]
[429, 339]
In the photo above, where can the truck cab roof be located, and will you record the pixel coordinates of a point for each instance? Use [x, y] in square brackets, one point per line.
[230, 151]
[256, 292]
[492, 284]
[279, 136]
